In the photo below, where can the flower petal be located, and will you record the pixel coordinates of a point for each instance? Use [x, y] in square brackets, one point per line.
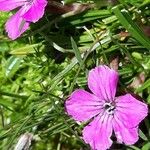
[102, 81]
[15, 26]
[130, 110]
[35, 11]
[127, 135]
[98, 132]
[82, 105]
[6, 5]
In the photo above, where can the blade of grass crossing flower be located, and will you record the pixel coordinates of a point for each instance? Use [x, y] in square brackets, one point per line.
[126, 20]
[76, 50]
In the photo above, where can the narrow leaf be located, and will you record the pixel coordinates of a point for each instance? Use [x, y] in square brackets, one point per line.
[76, 50]
[126, 20]
[13, 64]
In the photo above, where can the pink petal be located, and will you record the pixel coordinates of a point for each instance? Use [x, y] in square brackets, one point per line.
[127, 135]
[35, 11]
[82, 105]
[15, 26]
[6, 5]
[102, 81]
[98, 132]
[130, 110]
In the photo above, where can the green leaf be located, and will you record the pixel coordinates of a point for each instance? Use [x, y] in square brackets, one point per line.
[145, 2]
[137, 55]
[88, 16]
[76, 50]
[144, 86]
[109, 19]
[126, 20]
[25, 49]
[146, 146]
[142, 135]
[13, 64]
[58, 77]
[7, 103]
[133, 148]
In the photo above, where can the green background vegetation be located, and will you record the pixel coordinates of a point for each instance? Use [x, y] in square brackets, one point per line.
[40, 69]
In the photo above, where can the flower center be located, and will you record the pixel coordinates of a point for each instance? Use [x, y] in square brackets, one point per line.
[109, 108]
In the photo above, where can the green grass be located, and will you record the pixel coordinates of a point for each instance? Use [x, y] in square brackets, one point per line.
[40, 70]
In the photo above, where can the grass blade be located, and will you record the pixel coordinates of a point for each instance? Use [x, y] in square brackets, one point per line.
[126, 20]
[76, 50]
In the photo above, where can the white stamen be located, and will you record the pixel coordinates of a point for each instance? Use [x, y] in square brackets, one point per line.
[109, 108]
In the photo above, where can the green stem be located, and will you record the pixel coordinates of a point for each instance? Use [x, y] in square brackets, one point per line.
[13, 95]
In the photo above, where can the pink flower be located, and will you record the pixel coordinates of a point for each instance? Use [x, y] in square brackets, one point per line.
[108, 113]
[30, 11]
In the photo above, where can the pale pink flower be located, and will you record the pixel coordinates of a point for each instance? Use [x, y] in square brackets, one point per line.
[30, 11]
[108, 113]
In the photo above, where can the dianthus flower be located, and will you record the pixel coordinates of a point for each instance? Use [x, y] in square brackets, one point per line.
[30, 11]
[108, 113]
